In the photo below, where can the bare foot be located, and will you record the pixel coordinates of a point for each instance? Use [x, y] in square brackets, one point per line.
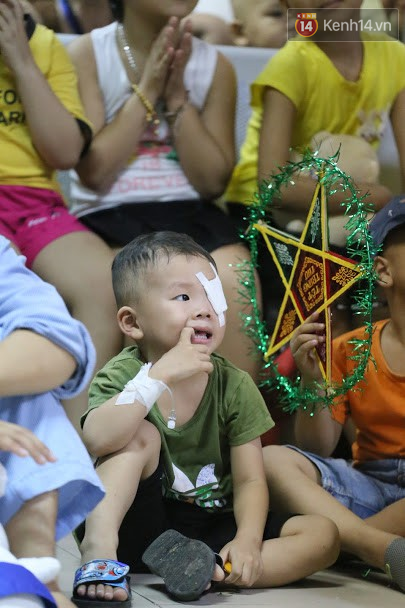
[98, 590]
[102, 592]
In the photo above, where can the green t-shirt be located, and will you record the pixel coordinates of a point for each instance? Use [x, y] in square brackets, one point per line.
[196, 455]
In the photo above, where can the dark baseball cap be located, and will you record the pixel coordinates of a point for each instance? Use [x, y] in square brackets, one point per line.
[386, 219]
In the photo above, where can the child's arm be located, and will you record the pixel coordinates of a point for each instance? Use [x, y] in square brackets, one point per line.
[397, 121]
[122, 421]
[279, 115]
[205, 141]
[319, 432]
[110, 427]
[42, 347]
[251, 504]
[54, 131]
[31, 363]
[21, 442]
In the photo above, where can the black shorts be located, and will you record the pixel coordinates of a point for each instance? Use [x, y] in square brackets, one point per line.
[151, 514]
[204, 221]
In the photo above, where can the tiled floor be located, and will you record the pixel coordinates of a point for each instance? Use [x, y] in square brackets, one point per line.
[327, 589]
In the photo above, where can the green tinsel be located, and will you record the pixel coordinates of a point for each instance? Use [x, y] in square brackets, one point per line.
[360, 246]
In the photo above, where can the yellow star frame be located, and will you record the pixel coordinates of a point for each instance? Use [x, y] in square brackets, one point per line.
[313, 277]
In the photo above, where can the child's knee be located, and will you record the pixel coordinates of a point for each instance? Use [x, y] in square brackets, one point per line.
[84, 295]
[325, 536]
[147, 438]
[145, 448]
[144, 444]
[276, 456]
[231, 277]
[320, 534]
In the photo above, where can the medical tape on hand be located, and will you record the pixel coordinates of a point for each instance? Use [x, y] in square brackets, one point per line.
[142, 388]
[215, 294]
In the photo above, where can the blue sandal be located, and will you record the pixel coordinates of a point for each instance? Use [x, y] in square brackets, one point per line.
[105, 571]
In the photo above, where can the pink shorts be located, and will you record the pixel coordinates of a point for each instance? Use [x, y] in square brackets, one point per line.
[32, 218]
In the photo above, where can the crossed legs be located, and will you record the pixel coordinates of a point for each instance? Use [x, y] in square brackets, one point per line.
[294, 484]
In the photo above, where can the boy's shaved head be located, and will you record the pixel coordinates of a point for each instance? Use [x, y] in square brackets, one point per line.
[132, 263]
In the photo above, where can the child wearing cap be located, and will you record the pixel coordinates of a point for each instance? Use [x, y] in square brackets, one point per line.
[364, 497]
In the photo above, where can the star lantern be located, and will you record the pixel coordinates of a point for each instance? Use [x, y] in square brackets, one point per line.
[313, 278]
[312, 275]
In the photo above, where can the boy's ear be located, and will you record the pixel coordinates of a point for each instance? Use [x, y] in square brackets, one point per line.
[128, 322]
[383, 271]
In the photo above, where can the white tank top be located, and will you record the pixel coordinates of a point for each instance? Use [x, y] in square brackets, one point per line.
[154, 174]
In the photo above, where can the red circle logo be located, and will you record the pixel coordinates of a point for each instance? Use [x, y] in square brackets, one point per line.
[306, 27]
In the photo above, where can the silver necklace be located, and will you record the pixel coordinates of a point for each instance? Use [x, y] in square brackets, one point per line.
[123, 42]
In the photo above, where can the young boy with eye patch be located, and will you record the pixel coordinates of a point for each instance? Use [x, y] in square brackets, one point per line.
[176, 430]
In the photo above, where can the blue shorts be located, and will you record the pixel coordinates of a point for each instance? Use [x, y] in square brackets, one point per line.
[72, 475]
[365, 489]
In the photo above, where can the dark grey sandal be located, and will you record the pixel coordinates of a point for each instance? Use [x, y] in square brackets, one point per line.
[186, 565]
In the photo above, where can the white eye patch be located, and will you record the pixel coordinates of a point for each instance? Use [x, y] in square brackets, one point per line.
[215, 294]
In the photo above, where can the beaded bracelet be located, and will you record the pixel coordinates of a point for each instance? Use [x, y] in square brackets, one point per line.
[173, 118]
[151, 114]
